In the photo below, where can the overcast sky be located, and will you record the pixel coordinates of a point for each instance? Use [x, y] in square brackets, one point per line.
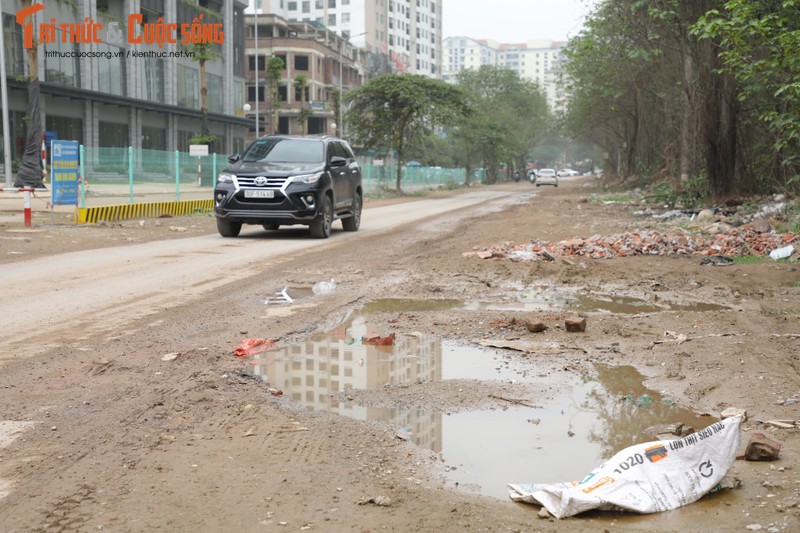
[514, 21]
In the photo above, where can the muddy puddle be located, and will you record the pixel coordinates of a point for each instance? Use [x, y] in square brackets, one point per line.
[534, 298]
[545, 298]
[561, 439]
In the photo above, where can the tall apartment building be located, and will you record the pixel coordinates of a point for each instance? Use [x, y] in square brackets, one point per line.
[407, 33]
[539, 61]
[114, 93]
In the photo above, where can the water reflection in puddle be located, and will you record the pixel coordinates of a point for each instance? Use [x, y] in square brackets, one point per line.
[483, 451]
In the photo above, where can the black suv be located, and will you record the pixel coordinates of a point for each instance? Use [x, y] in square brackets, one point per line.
[290, 179]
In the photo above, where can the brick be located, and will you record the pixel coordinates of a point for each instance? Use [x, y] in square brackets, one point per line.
[575, 324]
[762, 448]
[536, 326]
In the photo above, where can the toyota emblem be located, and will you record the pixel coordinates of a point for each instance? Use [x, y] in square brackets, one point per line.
[260, 181]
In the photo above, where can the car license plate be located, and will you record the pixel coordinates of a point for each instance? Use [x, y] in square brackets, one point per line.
[264, 193]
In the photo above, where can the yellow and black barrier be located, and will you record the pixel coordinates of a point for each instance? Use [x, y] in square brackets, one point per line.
[109, 213]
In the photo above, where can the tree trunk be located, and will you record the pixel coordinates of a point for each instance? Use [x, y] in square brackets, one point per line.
[203, 100]
[30, 168]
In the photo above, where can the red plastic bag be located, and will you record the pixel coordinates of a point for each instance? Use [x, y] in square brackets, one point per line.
[249, 347]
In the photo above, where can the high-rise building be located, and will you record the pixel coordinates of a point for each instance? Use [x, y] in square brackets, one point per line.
[539, 61]
[407, 33]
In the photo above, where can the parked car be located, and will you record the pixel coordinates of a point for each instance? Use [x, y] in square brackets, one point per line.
[546, 176]
[564, 172]
[287, 180]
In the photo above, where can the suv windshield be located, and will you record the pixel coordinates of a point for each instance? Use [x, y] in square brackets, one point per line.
[285, 151]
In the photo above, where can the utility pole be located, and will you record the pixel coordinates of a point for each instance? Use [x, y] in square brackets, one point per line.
[6, 126]
[257, 7]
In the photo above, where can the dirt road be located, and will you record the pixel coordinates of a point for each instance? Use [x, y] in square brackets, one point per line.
[125, 410]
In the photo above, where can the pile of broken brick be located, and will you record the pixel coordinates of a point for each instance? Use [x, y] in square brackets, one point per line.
[738, 242]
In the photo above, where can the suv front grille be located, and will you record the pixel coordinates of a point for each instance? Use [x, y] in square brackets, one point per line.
[249, 181]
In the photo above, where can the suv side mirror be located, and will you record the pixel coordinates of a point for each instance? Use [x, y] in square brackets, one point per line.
[233, 158]
[338, 161]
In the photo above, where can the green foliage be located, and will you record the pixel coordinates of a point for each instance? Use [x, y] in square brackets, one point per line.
[202, 139]
[695, 192]
[275, 68]
[510, 117]
[662, 194]
[748, 259]
[394, 110]
[760, 42]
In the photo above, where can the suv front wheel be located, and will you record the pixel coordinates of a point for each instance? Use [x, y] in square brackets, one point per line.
[321, 228]
[226, 228]
[352, 223]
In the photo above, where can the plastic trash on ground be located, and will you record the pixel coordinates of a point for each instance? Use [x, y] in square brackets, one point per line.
[281, 297]
[249, 347]
[323, 287]
[782, 253]
[645, 478]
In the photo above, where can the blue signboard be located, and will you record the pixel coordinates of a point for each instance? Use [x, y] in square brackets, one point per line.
[64, 169]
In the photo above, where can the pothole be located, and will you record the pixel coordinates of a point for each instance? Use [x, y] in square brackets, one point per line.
[561, 439]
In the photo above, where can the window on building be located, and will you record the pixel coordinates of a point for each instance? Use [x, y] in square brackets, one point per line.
[345, 18]
[318, 4]
[297, 95]
[292, 6]
[214, 93]
[65, 127]
[183, 140]
[153, 79]
[113, 134]
[307, 6]
[188, 87]
[332, 3]
[15, 53]
[283, 93]
[262, 63]
[238, 96]
[300, 62]
[154, 138]
[60, 68]
[251, 93]
[332, 19]
[110, 69]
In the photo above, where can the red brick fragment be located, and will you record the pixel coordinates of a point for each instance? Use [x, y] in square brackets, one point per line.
[762, 448]
[575, 324]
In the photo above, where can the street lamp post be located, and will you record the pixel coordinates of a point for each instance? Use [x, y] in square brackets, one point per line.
[341, 88]
[257, 5]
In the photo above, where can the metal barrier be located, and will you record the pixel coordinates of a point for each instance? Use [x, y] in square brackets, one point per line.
[120, 183]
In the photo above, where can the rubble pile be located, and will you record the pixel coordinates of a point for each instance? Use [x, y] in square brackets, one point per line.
[738, 242]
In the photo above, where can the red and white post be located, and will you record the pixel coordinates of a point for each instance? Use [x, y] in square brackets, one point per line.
[44, 160]
[26, 206]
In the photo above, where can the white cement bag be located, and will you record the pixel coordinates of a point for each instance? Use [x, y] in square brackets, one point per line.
[645, 478]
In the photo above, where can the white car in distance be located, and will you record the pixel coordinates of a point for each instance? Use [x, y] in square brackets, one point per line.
[546, 176]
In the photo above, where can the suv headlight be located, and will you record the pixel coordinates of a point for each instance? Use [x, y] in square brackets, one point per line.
[226, 178]
[306, 178]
